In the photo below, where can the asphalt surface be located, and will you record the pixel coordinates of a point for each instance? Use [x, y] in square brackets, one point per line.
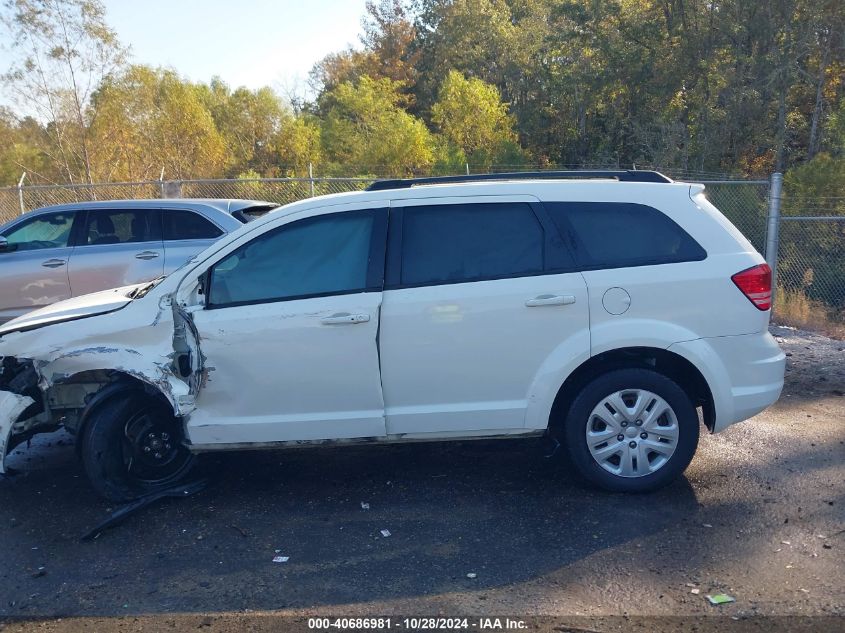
[475, 528]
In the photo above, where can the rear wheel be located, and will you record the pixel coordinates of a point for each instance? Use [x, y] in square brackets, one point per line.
[631, 430]
[133, 445]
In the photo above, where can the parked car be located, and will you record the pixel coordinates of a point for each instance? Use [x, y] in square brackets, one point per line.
[68, 250]
[606, 311]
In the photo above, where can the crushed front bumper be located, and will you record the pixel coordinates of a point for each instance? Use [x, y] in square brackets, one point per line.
[20, 402]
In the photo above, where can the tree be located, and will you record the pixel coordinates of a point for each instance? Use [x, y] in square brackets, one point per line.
[18, 153]
[63, 50]
[147, 120]
[471, 115]
[365, 129]
[298, 144]
[248, 121]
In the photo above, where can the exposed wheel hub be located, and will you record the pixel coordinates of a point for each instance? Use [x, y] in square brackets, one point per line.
[152, 452]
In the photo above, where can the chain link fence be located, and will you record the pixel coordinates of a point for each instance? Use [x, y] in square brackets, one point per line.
[811, 264]
[810, 251]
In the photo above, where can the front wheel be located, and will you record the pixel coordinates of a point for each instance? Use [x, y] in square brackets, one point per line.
[631, 430]
[133, 445]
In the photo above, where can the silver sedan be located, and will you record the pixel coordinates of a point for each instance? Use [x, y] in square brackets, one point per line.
[68, 250]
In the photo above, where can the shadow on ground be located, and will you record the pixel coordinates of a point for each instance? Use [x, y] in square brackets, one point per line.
[499, 510]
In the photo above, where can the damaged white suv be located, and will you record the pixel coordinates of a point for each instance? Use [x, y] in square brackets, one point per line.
[604, 308]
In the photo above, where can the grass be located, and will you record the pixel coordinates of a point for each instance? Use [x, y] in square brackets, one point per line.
[794, 308]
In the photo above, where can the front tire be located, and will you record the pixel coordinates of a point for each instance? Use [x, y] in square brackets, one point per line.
[133, 445]
[631, 430]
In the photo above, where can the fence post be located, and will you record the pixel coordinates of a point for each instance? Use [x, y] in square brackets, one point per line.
[311, 178]
[773, 227]
[171, 189]
[20, 193]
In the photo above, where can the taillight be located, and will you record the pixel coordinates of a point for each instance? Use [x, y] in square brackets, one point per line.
[756, 284]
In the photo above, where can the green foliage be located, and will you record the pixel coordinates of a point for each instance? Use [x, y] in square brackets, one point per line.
[812, 253]
[703, 87]
[298, 144]
[364, 125]
[147, 120]
[471, 115]
[248, 121]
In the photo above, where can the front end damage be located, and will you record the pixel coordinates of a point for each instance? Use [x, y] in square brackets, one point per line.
[51, 377]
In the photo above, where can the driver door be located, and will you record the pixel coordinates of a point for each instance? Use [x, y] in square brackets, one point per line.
[34, 264]
[288, 333]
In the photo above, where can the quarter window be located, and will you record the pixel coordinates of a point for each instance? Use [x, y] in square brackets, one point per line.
[469, 242]
[51, 230]
[324, 255]
[616, 235]
[187, 225]
[121, 226]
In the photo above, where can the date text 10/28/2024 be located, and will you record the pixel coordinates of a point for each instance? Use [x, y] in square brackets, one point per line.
[418, 624]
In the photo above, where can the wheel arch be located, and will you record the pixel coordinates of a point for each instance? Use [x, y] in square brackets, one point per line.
[669, 364]
[118, 383]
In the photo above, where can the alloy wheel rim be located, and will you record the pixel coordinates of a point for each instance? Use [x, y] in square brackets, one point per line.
[632, 433]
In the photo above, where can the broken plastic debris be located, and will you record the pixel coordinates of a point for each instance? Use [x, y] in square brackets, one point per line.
[785, 543]
[472, 574]
[706, 525]
[281, 559]
[385, 533]
[695, 591]
[365, 506]
[721, 598]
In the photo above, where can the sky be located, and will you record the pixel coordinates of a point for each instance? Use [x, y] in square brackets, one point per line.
[253, 43]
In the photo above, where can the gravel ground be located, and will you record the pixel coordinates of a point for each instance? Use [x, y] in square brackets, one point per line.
[475, 529]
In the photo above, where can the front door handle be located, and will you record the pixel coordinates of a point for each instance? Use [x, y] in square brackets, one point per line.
[54, 263]
[146, 255]
[550, 300]
[344, 318]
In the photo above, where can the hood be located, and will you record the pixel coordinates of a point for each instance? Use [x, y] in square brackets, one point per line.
[76, 308]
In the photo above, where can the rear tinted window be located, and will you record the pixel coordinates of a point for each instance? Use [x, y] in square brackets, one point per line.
[187, 225]
[615, 235]
[466, 242]
[121, 226]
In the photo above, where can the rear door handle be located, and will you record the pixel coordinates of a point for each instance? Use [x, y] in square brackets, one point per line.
[54, 263]
[344, 318]
[550, 300]
[146, 255]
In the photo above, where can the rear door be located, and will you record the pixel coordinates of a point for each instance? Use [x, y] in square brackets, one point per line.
[34, 267]
[186, 233]
[478, 295]
[117, 247]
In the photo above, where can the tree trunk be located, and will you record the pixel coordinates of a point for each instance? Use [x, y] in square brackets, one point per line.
[815, 136]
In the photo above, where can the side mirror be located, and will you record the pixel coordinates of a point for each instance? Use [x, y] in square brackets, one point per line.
[5, 247]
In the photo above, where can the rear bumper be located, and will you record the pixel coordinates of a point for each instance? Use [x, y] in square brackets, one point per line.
[745, 373]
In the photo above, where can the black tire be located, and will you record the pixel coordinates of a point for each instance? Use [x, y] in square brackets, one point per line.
[113, 449]
[575, 428]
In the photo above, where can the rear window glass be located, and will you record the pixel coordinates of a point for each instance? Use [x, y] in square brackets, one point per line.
[121, 226]
[466, 242]
[615, 235]
[187, 225]
[254, 212]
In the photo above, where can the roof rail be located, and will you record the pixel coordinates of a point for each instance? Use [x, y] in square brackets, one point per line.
[622, 175]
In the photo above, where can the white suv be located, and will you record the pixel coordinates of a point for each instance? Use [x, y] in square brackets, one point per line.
[605, 310]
